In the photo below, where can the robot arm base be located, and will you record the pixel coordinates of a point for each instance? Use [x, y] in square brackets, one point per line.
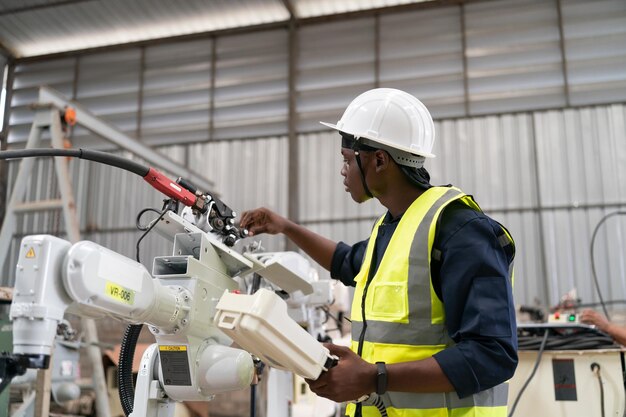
[150, 399]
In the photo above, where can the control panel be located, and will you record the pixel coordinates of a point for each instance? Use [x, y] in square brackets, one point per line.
[563, 317]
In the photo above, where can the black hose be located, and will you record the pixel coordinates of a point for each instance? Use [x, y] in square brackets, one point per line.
[256, 283]
[126, 389]
[582, 341]
[593, 263]
[140, 226]
[165, 210]
[595, 368]
[252, 400]
[87, 154]
[532, 374]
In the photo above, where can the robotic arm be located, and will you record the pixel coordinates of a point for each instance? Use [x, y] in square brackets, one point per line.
[54, 276]
[190, 303]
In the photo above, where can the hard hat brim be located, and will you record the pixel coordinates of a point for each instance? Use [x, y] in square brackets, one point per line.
[381, 141]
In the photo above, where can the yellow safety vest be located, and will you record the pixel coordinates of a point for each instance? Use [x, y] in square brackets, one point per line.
[405, 319]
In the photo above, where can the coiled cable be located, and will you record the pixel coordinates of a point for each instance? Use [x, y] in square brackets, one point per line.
[577, 341]
[377, 401]
[125, 367]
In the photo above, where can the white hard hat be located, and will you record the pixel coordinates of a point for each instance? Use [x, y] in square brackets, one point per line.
[390, 118]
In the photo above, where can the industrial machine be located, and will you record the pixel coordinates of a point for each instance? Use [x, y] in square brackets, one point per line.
[190, 301]
[567, 369]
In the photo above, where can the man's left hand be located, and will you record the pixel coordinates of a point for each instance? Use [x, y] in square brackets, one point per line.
[349, 380]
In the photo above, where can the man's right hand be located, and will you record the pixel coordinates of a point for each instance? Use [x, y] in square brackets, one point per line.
[263, 220]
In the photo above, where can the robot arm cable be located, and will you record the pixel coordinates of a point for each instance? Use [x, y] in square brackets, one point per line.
[140, 226]
[126, 390]
[155, 178]
[218, 216]
[91, 155]
[125, 387]
[147, 230]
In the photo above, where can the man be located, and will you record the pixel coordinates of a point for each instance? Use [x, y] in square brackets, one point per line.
[433, 323]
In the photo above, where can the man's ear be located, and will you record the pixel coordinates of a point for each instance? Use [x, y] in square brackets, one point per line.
[383, 159]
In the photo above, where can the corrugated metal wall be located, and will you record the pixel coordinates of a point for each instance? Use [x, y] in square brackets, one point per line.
[3, 76]
[249, 174]
[336, 62]
[581, 164]
[425, 59]
[549, 175]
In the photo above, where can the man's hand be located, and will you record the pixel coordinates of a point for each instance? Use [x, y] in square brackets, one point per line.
[617, 332]
[349, 380]
[263, 220]
[595, 318]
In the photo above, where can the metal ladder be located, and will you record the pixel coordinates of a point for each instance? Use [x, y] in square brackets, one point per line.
[48, 117]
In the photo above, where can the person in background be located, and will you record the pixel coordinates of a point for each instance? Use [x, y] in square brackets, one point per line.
[433, 320]
[618, 333]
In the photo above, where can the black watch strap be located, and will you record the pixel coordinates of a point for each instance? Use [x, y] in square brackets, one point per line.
[381, 378]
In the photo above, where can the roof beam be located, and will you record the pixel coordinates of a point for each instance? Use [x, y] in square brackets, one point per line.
[4, 50]
[396, 8]
[292, 11]
[160, 41]
[30, 8]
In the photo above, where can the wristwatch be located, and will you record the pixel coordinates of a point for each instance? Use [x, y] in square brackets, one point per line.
[381, 378]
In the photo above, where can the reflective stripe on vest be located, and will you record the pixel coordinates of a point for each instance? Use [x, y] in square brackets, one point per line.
[495, 397]
[404, 318]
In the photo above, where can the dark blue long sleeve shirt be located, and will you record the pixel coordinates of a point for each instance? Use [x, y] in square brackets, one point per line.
[471, 278]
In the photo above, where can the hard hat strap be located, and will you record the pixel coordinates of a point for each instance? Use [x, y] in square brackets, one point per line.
[358, 145]
[357, 156]
[349, 141]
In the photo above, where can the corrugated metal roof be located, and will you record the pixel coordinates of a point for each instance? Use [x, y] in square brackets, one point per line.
[314, 8]
[67, 26]
[42, 27]
[9, 5]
